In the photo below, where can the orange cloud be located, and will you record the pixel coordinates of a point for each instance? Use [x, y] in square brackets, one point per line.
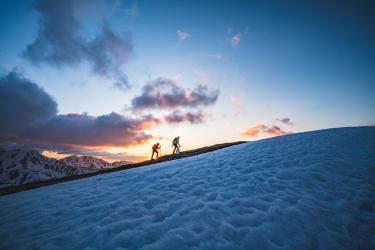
[148, 122]
[264, 130]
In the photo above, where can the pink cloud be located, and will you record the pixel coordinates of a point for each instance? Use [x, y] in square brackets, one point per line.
[265, 130]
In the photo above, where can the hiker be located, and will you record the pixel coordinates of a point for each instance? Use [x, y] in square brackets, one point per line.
[155, 149]
[176, 144]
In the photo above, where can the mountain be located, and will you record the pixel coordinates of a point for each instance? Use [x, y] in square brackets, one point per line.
[27, 166]
[313, 190]
[89, 163]
[120, 163]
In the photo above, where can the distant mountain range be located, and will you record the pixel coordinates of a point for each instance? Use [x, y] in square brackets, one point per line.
[25, 166]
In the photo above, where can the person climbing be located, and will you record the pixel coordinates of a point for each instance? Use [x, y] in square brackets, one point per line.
[155, 149]
[176, 144]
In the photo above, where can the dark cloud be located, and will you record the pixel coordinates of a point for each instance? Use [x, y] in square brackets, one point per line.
[192, 117]
[60, 42]
[163, 93]
[285, 121]
[265, 130]
[29, 115]
[84, 130]
[107, 52]
[23, 104]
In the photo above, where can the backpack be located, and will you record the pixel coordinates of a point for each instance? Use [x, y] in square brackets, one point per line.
[175, 141]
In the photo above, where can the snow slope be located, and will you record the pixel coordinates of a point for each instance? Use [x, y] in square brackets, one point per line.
[312, 190]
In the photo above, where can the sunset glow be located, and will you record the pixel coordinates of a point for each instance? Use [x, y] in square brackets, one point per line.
[119, 76]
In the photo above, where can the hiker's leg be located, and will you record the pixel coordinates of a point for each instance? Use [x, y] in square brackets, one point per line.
[153, 152]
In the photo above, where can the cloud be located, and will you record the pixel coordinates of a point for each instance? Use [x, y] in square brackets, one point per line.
[264, 130]
[23, 104]
[217, 56]
[235, 40]
[85, 130]
[60, 42]
[107, 53]
[183, 35]
[286, 121]
[191, 117]
[163, 93]
[29, 115]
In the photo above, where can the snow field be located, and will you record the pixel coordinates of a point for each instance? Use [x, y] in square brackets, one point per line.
[311, 190]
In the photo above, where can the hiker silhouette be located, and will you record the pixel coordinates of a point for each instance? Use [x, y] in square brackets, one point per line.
[155, 149]
[176, 144]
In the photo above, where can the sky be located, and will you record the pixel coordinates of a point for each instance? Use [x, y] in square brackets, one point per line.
[110, 78]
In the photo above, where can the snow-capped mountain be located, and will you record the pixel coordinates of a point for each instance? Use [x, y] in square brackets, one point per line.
[313, 190]
[89, 163]
[26, 166]
[120, 163]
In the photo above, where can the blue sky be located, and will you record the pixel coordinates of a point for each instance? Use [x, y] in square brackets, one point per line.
[310, 62]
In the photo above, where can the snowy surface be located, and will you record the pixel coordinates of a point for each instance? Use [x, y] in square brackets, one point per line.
[305, 191]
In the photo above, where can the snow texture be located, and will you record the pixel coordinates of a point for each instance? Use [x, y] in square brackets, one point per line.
[312, 190]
